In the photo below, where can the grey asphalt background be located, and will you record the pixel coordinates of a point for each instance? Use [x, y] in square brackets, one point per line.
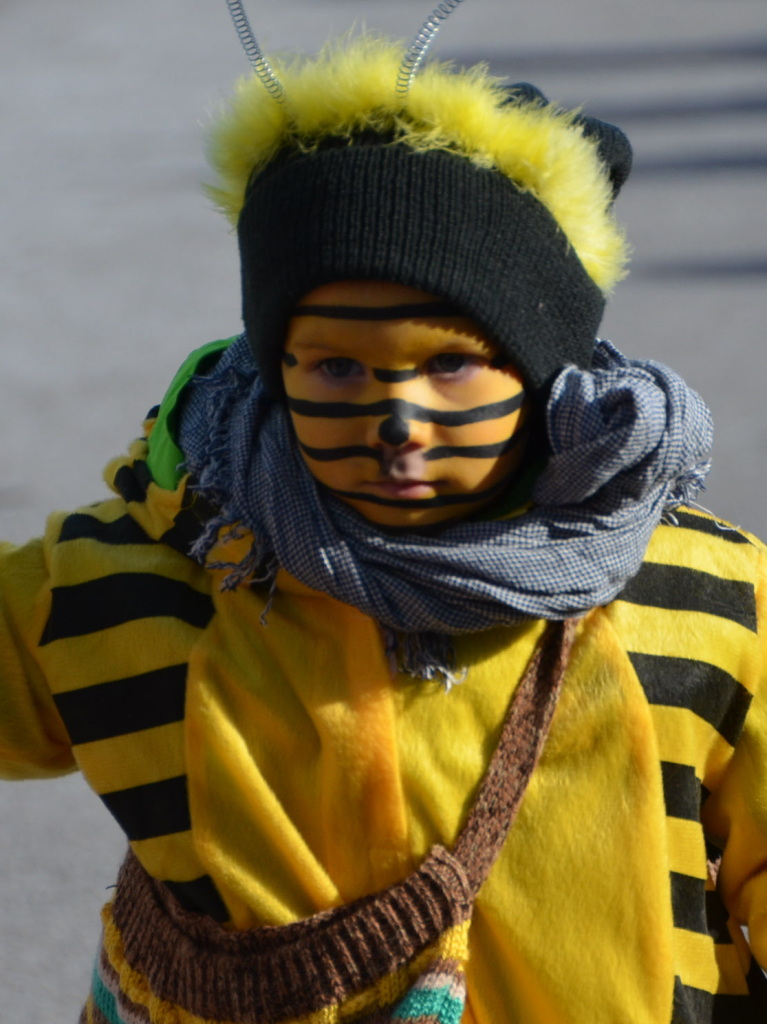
[113, 267]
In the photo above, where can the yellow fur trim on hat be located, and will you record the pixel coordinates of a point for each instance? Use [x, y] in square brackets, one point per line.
[350, 87]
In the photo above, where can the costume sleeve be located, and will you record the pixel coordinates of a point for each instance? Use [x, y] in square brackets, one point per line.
[737, 811]
[33, 740]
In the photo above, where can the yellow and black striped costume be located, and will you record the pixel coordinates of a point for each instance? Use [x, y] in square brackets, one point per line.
[267, 772]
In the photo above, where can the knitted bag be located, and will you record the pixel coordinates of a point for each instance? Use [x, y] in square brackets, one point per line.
[396, 955]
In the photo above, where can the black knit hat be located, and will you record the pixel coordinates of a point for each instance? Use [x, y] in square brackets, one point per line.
[368, 206]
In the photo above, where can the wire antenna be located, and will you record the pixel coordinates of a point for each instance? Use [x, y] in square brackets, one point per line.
[417, 49]
[253, 51]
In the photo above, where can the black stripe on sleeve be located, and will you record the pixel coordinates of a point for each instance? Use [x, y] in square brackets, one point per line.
[184, 532]
[132, 481]
[706, 690]
[122, 597]
[200, 896]
[691, 1005]
[681, 791]
[688, 902]
[717, 918]
[690, 590]
[189, 522]
[709, 526]
[124, 705]
[146, 812]
[694, 1006]
[81, 526]
[757, 986]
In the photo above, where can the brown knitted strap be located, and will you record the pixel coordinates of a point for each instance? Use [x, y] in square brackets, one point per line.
[277, 973]
[518, 751]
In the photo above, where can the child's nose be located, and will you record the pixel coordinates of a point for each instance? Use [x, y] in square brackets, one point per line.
[399, 430]
[404, 424]
[394, 431]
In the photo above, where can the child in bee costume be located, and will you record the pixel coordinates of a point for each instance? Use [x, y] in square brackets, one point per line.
[418, 688]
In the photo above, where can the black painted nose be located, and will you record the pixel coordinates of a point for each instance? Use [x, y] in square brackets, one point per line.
[394, 431]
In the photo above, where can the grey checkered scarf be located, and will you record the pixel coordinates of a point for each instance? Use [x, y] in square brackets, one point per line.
[629, 440]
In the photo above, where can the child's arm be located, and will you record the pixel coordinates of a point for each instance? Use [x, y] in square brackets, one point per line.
[33, 740]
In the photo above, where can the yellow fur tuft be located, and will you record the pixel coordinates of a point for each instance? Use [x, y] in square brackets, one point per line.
[350, 86]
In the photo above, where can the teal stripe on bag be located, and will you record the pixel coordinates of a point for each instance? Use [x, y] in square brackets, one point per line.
[437, 1005]
[105, 1002]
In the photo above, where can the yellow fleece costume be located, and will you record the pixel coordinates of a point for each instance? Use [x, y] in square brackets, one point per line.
[338, 779]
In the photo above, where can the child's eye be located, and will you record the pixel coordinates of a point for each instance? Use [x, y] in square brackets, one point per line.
[340, 367]
[449, 363]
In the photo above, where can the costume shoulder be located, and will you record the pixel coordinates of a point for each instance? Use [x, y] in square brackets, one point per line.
[694, 618]
[78, 606]
[698, 563]
[694, 624]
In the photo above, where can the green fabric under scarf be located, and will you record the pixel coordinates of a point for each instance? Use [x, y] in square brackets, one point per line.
[165, 459]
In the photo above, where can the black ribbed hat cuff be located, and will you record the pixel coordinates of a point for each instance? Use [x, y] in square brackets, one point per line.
[430, 220]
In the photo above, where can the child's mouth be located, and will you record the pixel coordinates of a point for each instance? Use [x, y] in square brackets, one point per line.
[403, 475]
[403, 489]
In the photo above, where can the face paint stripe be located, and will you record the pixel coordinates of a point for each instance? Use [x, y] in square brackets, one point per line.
[404, 311]
[395, 376]
[479, 451]
[354, 451]
[401, 409]
[440, 501]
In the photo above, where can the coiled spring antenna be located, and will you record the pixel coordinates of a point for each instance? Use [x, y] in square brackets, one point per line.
[260, 64]
[417, 49]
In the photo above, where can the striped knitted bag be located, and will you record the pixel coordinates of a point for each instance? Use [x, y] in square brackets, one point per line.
[395, 956]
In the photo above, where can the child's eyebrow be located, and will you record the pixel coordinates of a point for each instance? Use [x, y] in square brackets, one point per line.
[405, 311]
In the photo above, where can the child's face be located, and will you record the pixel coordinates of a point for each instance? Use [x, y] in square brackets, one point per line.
[409, 418]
